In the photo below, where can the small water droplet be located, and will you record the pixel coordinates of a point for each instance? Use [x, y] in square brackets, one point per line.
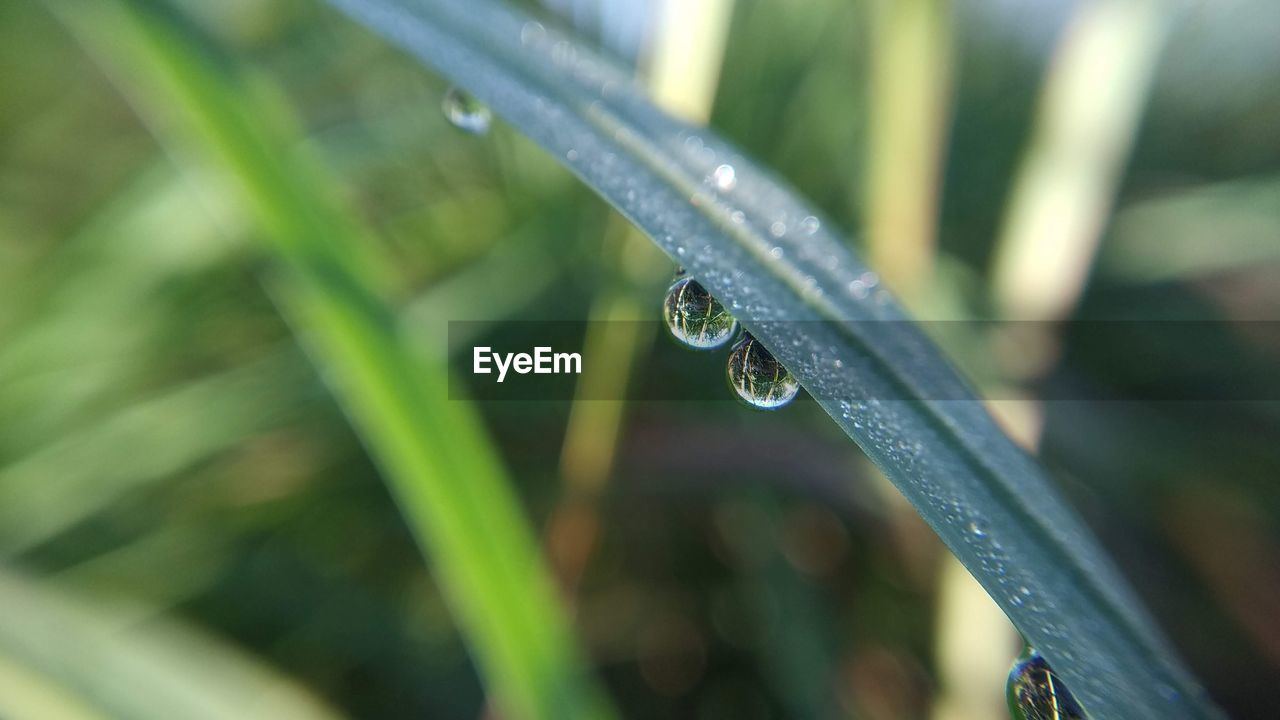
[810, 225]
[758, 378]
[1035, 692]
[532, 32]
[562, 53]
[738, 216]
[694, 317]
[724, 178]
[465, 112]
[778, 229]
[571, 155]
[776, 253]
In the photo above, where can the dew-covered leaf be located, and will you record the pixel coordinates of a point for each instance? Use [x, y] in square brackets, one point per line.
[793, 283]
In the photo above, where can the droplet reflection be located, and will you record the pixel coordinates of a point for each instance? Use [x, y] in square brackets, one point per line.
[758, 378]
[1035, 692]
[694, 317]
[465, 112]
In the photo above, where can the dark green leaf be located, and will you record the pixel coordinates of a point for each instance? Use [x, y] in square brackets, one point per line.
[795, 285]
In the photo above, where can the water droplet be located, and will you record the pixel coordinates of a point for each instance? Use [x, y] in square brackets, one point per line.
[694, 317]
[1035, 692]
[562, 53]
[465, 112]
[776, 253]
[810, 225]
[778, 229]
[532, 32]
[724, 178]
[758, 378]
[738, 216]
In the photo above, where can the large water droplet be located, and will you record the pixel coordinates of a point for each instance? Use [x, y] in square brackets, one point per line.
[1035, 692]
[465, 112]
[758, 378]
[694, 317]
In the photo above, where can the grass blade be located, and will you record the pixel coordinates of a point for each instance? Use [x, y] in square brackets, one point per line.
[63, 658]
[798, 291]
[433, 452]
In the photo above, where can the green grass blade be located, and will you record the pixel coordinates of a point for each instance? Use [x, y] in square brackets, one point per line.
[435, 454]
[67, 480]
[62, 657]
[799, 291]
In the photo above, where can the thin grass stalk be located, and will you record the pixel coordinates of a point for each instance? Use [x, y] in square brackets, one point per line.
[432, 450]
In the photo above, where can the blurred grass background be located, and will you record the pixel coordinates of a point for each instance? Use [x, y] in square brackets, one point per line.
[190, 526]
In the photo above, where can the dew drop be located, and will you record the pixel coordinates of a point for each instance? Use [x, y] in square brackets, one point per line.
[562, 53]
[532, 33]
[724, 178]
[738, 216]
[778, 229]
[776, 253]
[810, 225]
[758, 378]
[465, 112]
[694, 317]
[1035, 692]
